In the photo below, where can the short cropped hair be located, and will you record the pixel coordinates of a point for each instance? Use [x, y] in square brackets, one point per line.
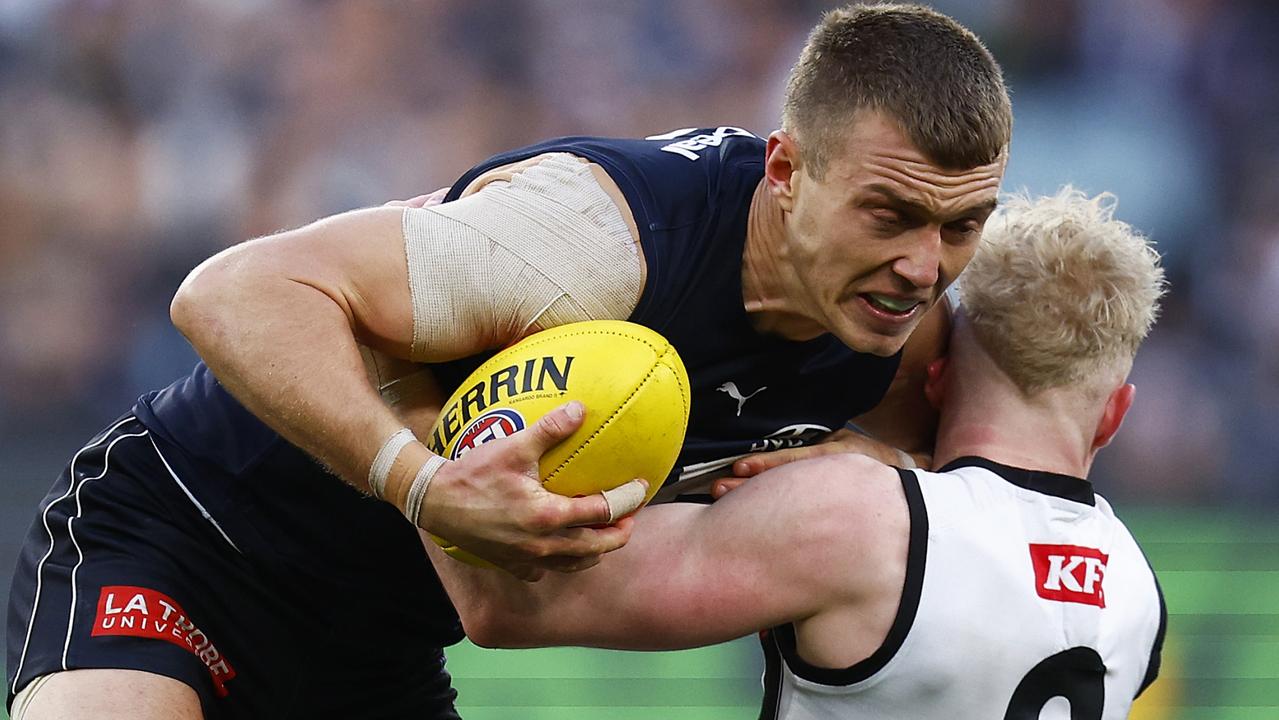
[1060, 290]
[921, 68]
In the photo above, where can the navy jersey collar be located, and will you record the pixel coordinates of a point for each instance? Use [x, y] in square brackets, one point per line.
[1040, 481]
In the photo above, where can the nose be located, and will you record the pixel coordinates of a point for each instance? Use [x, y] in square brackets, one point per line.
[920, 263]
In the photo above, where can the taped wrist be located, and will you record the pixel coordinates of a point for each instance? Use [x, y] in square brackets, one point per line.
[380, 470]
[421, 482]
[548, 246]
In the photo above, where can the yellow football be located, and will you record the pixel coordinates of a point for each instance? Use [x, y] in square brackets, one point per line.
[630, 379]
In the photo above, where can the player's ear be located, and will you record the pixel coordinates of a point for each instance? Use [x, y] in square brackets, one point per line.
[1113, 416]
[935, 383]
[781, 165]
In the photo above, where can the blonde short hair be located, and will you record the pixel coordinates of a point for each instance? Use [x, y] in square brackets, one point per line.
[1060, 290]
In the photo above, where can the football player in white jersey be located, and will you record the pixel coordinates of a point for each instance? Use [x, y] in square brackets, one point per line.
[999, 586]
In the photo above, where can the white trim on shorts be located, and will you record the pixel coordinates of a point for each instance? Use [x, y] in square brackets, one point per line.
[74, 487]
[106, 465]
[44, 516]
[203, 512]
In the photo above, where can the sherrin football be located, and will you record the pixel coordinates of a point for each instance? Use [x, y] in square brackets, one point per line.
[630, 379]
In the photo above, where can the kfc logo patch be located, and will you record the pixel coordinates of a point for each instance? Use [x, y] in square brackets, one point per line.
[1069, 573]
[142, 612]
[491, 425]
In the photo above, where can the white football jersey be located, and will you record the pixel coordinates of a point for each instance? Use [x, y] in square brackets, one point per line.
[1025, 598]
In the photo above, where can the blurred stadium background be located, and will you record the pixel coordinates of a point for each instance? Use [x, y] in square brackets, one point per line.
[139, 136]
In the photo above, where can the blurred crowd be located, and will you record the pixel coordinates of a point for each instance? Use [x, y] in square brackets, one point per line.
[137, 137]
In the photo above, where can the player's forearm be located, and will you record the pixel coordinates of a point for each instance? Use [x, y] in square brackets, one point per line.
[642, 597]
[287, 351]
[499, 611]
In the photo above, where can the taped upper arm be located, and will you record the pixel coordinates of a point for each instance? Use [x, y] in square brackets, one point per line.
[533, 248]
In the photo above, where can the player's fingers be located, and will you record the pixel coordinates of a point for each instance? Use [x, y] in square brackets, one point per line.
[551, 428]
[753, 465]
[625, 499]
[725, 486]
[433, 198]
[525, 572]
[591, 510]
[586, 541]
[569, 564]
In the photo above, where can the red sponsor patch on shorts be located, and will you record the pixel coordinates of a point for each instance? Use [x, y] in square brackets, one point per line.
[1070, 573]
[146, 613]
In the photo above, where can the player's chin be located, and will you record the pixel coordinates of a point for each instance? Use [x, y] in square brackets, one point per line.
[874, 343]
[877, 338]
[887, 346]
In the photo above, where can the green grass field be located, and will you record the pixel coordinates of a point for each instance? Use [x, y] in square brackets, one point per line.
[1220, 574]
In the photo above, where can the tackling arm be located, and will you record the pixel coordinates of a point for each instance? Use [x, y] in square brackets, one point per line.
[795, 542]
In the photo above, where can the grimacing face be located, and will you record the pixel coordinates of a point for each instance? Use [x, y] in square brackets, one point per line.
[875, 242]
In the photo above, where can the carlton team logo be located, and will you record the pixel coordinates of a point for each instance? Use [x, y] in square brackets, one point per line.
[494, 424]
[1069, 573]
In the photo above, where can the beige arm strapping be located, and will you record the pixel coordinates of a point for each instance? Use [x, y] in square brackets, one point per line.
[547, 247]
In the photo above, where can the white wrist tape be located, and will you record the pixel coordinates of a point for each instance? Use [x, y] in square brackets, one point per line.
[546, 247]
[385, 458]
[421, 481]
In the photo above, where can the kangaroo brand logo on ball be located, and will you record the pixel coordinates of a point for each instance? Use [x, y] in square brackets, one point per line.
[535, 375]
[491, 425]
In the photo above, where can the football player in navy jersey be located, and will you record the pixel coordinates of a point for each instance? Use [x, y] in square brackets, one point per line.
[190, 550]
[996, 587]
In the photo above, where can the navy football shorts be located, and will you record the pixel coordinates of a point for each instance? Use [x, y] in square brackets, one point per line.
[124, 568]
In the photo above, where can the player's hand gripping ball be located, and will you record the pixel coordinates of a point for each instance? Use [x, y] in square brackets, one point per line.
[630, 379]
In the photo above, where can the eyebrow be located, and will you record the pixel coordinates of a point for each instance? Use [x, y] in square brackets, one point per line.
[893, 198]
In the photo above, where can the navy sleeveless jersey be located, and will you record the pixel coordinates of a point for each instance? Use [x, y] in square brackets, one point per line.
[690, 192]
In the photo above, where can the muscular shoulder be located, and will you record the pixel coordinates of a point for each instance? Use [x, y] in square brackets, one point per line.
[863, 491]
[854, 516]
[863, 530]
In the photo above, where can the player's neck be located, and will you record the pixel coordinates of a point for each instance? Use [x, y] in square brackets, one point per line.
[1033, 438]
[766, 275]
[985, 414]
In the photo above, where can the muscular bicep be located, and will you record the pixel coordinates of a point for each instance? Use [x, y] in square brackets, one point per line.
[355, 259]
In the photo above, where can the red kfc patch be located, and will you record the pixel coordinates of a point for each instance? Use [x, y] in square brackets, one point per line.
[1069, 573]
[143, 612]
